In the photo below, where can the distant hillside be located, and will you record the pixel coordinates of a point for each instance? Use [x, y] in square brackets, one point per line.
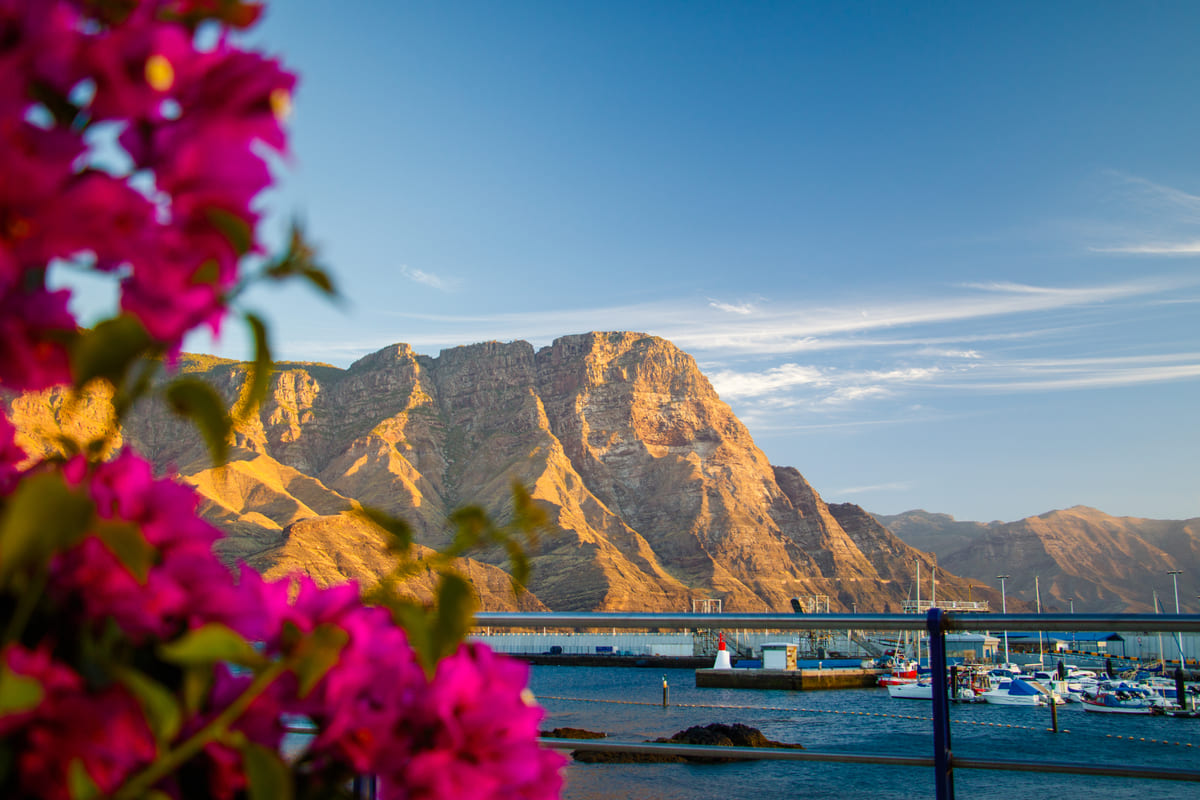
[1106, 563]
[656, 492]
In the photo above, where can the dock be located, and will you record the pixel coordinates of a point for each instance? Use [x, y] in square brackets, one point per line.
[793, 679]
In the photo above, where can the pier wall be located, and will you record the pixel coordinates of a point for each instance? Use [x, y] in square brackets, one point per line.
[794, 679]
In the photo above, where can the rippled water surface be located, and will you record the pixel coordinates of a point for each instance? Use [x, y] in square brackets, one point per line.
[626, 703]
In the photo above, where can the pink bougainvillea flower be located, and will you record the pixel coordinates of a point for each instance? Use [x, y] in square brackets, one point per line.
[34, 327]
[104, 216]
[369, 695]
[38, 43]
[474, 735]
[54, 678]
[185, 585]
[35, 168]
[103, 731]
[11, 456]
[246, 91]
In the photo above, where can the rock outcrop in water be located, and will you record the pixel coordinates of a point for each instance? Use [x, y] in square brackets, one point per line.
[716, 734]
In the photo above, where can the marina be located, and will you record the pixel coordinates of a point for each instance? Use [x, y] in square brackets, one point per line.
[877, 756]
[627, 705]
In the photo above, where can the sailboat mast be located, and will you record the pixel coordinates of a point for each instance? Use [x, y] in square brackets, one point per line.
[1037, 592]
[918, 611]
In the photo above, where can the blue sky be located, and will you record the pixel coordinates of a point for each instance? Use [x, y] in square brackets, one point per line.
[935, 255]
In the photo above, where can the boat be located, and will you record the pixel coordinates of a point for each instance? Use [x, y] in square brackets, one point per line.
[1130, 700]
[915, 690]
[902, 672]
[967, 690]
[1018, 692]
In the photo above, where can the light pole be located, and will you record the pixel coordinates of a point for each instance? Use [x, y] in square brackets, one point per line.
[1071, 600]
[1004, 610]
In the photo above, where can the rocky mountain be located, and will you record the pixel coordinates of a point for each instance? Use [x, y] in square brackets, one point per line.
[1105, 563]
[655, 492]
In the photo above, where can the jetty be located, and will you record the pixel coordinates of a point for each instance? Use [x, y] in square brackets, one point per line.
[793, 679]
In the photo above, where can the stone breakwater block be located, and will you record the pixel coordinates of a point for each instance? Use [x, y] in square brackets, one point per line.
[794, 679]
[715, 735]
[573, 733]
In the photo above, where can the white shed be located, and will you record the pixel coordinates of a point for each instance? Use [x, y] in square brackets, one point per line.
[779, 655]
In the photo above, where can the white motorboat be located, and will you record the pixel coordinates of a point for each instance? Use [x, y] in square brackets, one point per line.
[917, 690]
[1018, 692]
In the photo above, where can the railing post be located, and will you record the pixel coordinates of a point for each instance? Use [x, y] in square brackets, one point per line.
[942, 767]
[364, 787]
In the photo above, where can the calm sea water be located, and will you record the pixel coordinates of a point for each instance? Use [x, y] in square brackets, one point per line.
[581, 697]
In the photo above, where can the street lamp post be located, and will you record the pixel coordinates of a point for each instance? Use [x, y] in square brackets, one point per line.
[1071, 600]
[1004, 610]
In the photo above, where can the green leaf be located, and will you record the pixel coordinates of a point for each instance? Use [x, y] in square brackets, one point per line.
[317, 653]
[210, 644]
[399, 532]
[321, 279]
[415, 619]
[197, 683]
[158, 704]
[455, 613]
[18, 693]
[80, 783]
[109, 350]
[267, 776]
[519, 563]
[129, 545]
[300, 260]
[260, 370]
[472, 528]
[235, 229]
[196, 400]
[207, 274]
[42, 516]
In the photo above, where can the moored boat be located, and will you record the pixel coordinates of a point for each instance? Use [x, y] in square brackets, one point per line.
[914, 690]
[1018, 692]
[1123, 701]
[902, 672]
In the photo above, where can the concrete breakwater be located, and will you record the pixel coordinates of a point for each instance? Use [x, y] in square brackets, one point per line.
[793, 679]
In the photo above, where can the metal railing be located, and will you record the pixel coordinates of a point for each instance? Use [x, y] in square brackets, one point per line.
[936, 623]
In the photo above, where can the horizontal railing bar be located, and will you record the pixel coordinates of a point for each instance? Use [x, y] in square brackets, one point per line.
[784, 754]
[747, 753]
[953, 621]
[1067, 768]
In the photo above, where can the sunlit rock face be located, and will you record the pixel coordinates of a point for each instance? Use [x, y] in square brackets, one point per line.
[655, 492]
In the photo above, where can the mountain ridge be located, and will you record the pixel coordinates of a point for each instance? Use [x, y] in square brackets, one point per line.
[1101, 562]
[656, 493]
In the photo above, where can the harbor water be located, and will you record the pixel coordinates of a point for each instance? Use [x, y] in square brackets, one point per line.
[626, 703]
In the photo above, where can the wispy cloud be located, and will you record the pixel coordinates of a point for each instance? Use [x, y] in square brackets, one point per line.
[427, 278]
[780, 327]
[740, 308]
[1154, 249]
[1159, 220]
[897, 486]
[1060, 374]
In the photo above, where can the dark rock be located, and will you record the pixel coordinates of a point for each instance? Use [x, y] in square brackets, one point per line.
[716, 734]
[573, 733]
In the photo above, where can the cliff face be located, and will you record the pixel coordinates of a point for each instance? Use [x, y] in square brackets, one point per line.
[656, 493]
[1104, 563]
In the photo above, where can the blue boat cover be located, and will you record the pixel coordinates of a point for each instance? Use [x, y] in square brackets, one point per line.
[1021, 688]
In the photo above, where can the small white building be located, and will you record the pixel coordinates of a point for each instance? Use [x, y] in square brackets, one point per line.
[778, 655]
